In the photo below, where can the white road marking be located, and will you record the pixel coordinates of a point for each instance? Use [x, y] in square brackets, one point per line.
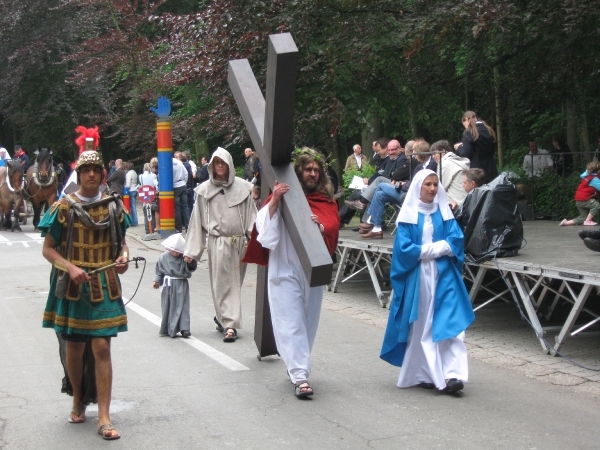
[202, 347]
[3, 239]
[25, 244]
[34, 236]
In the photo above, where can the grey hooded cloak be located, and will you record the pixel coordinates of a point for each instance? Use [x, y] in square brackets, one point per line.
[225, 211]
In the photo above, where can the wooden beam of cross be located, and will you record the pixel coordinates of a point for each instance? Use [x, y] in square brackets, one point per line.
[270, 125]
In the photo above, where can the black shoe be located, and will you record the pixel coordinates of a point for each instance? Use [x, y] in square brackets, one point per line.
[219, 326]
[593, 234]
[355, 229]
[186, 334]
[453, 385]
[426, 385]
[384, 227]
[592, 244]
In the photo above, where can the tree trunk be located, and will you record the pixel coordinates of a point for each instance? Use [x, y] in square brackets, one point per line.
[336, 154]
[372, 134]
[582, 116]
[498, 117]
[572, 125]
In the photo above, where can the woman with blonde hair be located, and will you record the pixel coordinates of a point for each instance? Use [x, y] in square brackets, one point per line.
[478, 145]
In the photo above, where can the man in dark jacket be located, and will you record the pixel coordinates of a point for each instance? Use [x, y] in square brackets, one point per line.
[116, 181]
[251, 166]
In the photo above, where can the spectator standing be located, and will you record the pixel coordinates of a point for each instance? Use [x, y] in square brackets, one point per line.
[451, 170]
[537, 160]
[147, 178]
[250, 168]
[180, 181]
[478, 145]
[116, 181]
[203, 171]
[190, 181]
[356, 160]
[224, 213]
[131, 182]
[563, 161]
[111, 167]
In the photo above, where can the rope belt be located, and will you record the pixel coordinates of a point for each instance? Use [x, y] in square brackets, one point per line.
[167, 281]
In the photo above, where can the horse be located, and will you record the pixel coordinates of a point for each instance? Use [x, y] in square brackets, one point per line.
[11, 194]
[41, 183]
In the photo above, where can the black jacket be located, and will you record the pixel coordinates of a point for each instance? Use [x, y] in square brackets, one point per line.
[388, 167]
[116, 182]
[480, 152]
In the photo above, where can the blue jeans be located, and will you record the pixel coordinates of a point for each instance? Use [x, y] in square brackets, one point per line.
[133, 211]
[385, 193]
[182, 213]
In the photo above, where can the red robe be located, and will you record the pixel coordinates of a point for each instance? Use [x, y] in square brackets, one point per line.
[327, 212]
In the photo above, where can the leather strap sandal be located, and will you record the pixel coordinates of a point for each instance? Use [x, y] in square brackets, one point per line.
[302, 389]
[106, 431]
[230, 335]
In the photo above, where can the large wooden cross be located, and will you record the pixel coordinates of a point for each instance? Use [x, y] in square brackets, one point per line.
[270, 125]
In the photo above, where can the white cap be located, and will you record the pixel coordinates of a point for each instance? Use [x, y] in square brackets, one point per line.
[175, 242]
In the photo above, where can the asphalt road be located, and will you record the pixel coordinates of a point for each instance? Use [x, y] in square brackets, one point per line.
[206, 394]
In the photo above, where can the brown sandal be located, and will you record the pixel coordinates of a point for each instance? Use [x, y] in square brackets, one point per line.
[108, 428]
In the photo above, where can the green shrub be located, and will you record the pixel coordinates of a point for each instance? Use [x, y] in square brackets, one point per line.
[367, 171]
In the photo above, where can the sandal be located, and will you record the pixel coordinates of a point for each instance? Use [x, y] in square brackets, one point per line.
[230, 335]
[106, 431]
[79, 413]
[219, 326]
[302, 389]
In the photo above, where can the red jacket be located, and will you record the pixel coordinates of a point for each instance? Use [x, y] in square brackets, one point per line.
[584, 191]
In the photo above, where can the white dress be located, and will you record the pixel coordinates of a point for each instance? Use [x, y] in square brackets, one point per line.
[427, 361]
[295, 306]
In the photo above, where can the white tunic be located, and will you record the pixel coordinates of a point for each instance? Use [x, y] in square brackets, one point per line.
[295, 306]
[427, 361]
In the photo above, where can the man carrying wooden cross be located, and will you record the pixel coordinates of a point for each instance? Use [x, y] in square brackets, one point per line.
[295, 306]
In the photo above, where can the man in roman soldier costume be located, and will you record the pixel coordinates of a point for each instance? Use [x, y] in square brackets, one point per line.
[85, 232]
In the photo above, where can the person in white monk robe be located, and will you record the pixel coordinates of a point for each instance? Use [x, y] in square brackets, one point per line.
[431, 309]
[295, 306]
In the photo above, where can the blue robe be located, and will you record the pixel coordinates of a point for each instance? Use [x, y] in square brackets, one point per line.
[453, 312]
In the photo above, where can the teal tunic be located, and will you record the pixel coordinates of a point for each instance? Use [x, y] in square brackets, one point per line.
[96, 319]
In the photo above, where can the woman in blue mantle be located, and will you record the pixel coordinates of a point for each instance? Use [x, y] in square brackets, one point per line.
[431, 309]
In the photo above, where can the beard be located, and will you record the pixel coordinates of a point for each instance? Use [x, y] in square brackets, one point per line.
[310, 186]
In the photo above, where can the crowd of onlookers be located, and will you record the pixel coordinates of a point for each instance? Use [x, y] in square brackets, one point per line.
[460, 168]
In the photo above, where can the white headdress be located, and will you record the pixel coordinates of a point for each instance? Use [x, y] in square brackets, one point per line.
[413, 205]
[175, 242]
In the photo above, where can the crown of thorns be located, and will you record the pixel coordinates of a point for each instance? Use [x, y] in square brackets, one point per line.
[314, 153]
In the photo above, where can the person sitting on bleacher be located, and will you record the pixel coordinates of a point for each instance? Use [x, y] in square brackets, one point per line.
[395, 191]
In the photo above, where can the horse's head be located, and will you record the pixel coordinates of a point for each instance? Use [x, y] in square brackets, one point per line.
[15, 175]
[44, 162]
